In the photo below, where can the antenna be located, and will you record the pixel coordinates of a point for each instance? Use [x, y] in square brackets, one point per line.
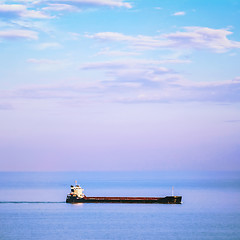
[172, 190]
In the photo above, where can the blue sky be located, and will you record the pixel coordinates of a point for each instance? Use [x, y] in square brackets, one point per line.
[119, 85]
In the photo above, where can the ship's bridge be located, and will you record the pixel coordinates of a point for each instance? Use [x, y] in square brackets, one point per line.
[77, 190]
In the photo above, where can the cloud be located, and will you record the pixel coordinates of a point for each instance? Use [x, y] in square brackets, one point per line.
[127, 91]
[140, 41]
[49, 45]
[179, 14]
[109, 52]
[152, 84]
[29, 24]
[203, 38]
[219, 92]
[146, 73]
[60, 7]
[149, 81]
[130, 63]
[17, 10]
[81, 91]
[18, 34]
[43, 61]
[13, 8]
[35, 14]
[191, 38]
[49, 64]
[74, 36]
[90, 3]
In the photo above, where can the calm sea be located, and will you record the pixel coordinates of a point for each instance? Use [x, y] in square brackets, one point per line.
[32, 206]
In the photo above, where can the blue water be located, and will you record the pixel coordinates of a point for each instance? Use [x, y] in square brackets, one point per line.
[32, 206]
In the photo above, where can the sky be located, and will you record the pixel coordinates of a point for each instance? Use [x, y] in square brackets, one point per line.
[119, 85]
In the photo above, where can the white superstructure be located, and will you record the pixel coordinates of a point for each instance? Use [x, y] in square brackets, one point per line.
[77, 190]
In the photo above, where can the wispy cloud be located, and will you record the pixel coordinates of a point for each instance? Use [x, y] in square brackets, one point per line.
[179, 91]
[131, 63]
[89, 3]
[41, 9]
[18, 34]
[192, 37]
[129, 91]
[143, 72]
[43, 61]
[17, 10]
[179, 13]
[82, 91]
[156, 83]
[74, 36]
[49, 64]
[140, 41]
[60, 7]
[28, 24]
[49, 45]
[108, 52]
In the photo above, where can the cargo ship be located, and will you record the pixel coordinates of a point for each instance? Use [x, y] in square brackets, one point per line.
[77, 196]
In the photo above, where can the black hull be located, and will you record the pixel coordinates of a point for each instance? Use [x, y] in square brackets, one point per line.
[141, 200]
